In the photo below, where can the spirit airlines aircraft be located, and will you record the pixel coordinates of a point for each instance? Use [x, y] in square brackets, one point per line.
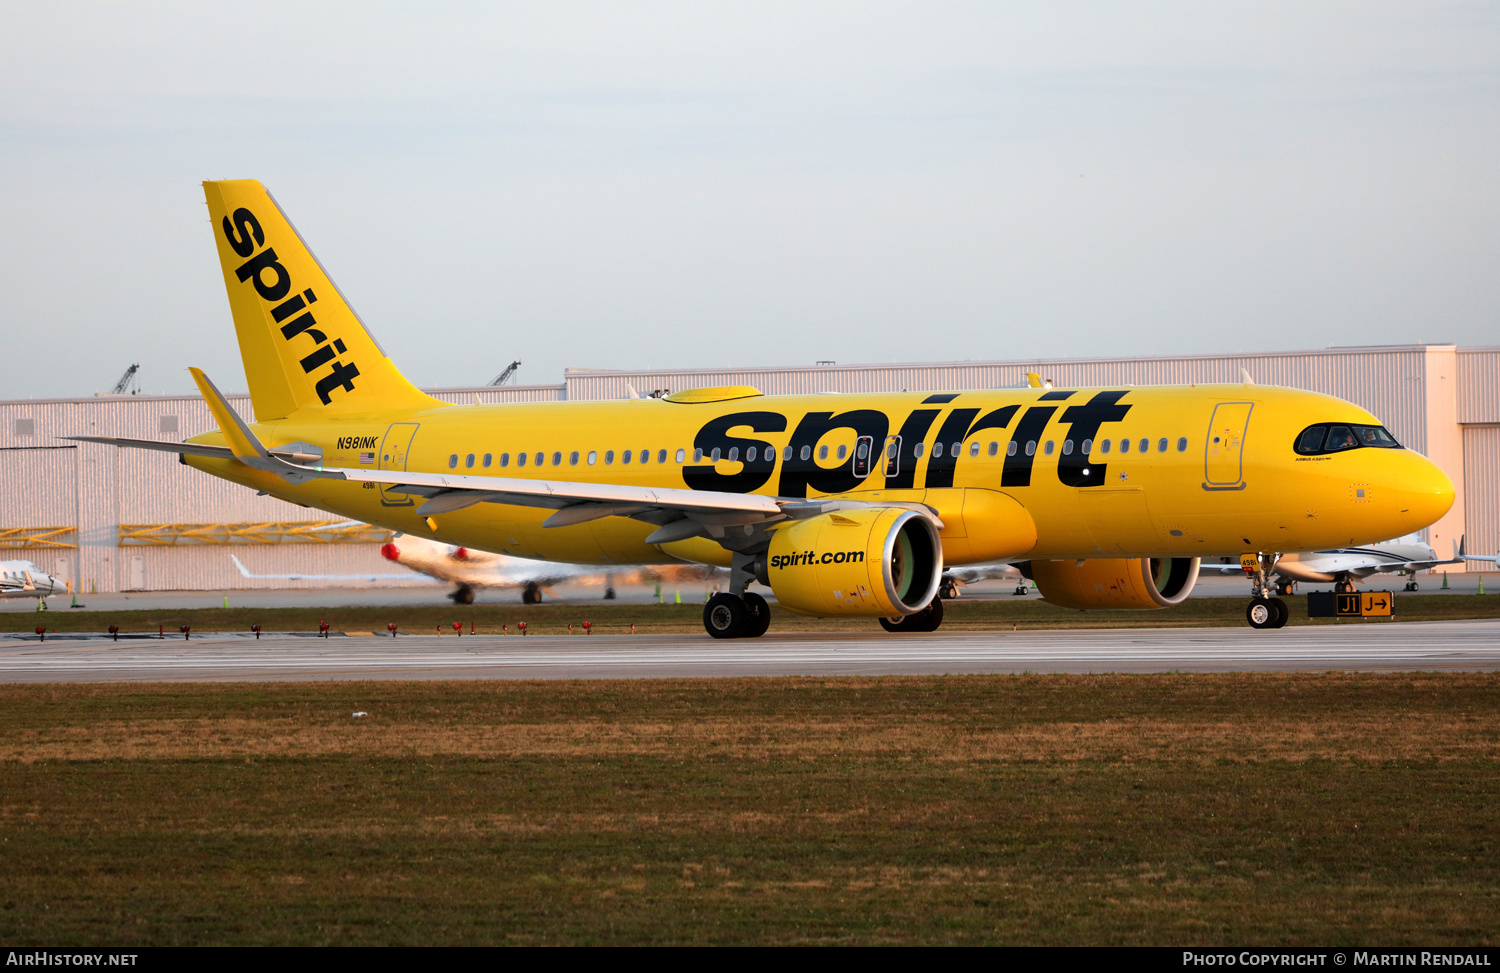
[847, 505]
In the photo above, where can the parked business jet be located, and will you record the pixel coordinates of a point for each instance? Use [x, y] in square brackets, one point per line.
[22, 579]
[468, 569]
[1347, 565]
[846, 505]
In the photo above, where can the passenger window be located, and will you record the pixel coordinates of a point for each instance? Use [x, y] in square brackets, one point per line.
[843, 451]
[919, 449]
[955, 449]
[1145, 446]
[681, 455]
[593, 457]
[715, 456]
[734, 454]
[520, 459]
[751, 453]
[1104, 446]
[822, 452]
[505, 459]
[937, 450]
[557, 459]
[540, 459]
[1161, 445]
[645, 456]
[806, 453]
[453, 462]
[1124, 446]
[626, 455]
[487, 458]
[994, 448]
[661, 455]
[1182, 445]
[1067, 447]
[1048, 448]
[469, 462]
[1010, 449]
[697, 455]
[1339, 437]
[609, 457]
[1031, 448]
[1087, 447]
[973, 449]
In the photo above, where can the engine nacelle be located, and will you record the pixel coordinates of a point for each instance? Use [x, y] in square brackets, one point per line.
[1132, 583]
[874, 561]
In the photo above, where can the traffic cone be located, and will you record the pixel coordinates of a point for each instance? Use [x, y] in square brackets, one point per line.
[679, 596]
[1481, 584]
[226, 599]
[41, 604]
[1445, 580]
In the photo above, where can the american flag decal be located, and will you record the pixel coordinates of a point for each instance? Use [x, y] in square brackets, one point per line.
[367, 457]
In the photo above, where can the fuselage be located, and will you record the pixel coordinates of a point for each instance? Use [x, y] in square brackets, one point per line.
[22, 579]
[1102, 472]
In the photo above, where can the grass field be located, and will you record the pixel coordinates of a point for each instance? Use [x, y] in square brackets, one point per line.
[963, 614]
[1185, 809]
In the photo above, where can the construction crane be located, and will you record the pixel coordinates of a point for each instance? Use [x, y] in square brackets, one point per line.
[508, 374]
[127, 381]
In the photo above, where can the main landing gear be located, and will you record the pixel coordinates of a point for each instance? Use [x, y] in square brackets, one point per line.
[926, 620]
[729, 616]
[531, 594]
[462, 595]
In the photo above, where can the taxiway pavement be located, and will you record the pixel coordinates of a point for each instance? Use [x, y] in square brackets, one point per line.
[1466, 645]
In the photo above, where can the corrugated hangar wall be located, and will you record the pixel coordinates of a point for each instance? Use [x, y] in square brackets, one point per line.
[97, 515]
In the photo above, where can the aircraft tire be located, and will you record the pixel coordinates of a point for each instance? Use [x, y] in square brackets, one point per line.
[1282, 613]
[1261, 613]
[757, 615]
[531, 595]
[897, 623]
[463, 595]
[929, 618]
[948, 590]
[724, 616]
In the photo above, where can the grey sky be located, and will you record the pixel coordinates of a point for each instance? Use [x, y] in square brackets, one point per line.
[621, 185]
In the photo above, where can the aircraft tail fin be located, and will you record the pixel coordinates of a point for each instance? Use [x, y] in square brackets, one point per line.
[302, 345]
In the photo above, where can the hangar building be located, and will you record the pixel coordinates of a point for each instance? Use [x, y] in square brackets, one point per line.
[112, 519]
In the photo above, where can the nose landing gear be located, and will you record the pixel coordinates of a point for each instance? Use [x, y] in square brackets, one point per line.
[1266, 613]
[1265, 610]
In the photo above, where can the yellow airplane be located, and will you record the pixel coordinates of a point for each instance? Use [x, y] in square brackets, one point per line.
[843, 505]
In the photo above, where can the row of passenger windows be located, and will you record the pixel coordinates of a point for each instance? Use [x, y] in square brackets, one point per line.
[753, 453]
[540, 459]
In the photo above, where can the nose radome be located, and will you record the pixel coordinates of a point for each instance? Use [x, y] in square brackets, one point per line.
[1427, 492]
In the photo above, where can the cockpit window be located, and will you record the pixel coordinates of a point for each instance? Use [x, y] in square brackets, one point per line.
[1325, 438]
[1339, 437]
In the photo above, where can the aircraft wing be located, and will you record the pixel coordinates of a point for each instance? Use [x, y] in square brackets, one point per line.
[245, 572]
[677, 513]
[1399, 567]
